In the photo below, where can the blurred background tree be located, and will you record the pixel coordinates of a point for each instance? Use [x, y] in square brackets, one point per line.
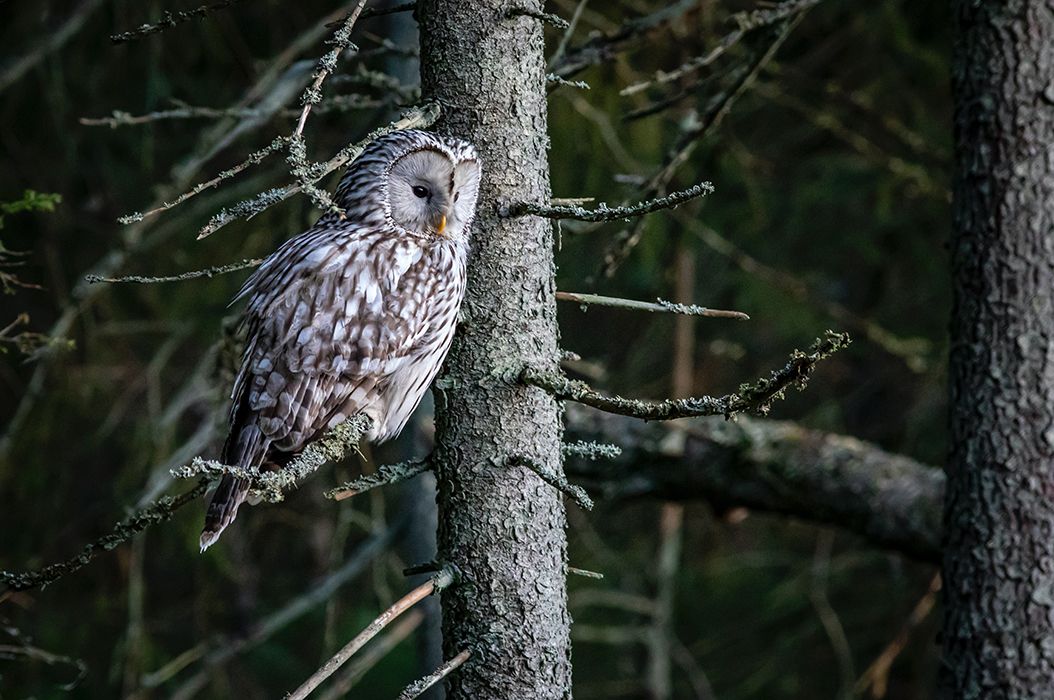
[828, 142]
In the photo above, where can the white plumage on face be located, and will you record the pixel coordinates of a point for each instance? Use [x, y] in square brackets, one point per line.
[431, 194]
[355, 315]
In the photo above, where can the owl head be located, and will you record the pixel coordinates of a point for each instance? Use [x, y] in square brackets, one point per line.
[427, 184]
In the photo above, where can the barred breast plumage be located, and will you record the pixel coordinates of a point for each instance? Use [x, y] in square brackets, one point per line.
[355, 315]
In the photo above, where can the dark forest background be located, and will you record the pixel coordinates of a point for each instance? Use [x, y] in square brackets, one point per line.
[831, 210]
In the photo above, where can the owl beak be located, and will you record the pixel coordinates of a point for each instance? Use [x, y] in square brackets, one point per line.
[441, 224]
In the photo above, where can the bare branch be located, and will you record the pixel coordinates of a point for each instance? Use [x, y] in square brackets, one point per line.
[385, 476]
[336, 103]
[157, 512]
[605, 213]
[350, 675]
[780, 467]
[441, 580]
[557, 481]
[660, 306]
[755, 399]
[415, 689]
[170, 19]
[193, 274]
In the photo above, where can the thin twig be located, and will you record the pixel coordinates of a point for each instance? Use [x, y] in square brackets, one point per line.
[660, 306]
[745, 22]
[441, 580]
[557, 480]
[157, 512]
[335, 103]
[590, 450]
[755, 399]
[354, 671]
[193, 274]
[719, 107]
[386, 475]
[327, 64]
[606, 213]
[418, 687]
[254, 158]
[170, 19]
[586, 573]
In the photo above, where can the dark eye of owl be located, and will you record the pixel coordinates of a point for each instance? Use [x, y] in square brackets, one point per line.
[456, 195]
[420, 191]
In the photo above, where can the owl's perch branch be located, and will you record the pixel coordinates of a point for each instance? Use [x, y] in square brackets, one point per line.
[415, 689]
[659, 306]
[755, 399]
[441, 580]
[386, 475]
[416, 118]
[605, 213]
[557, 481]
[271, 486]
[157, 512]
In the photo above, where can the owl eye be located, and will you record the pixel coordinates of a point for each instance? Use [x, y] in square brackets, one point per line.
[420, 191]
[456, 195]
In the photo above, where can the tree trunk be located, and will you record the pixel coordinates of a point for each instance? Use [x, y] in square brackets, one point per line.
[998, 639]
[502, 527]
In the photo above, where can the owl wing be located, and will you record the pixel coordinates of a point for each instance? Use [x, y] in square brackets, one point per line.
[326, 328]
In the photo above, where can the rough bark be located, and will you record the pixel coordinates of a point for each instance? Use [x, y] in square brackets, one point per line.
[998, 640]
[773, 466]
[501, 526]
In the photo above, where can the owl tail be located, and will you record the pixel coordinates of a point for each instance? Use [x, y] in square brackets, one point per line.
[223, 508]
[245, 448]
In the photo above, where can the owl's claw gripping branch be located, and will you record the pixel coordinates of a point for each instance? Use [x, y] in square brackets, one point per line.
[755, 399]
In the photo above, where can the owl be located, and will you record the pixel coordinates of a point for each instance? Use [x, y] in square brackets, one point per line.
[356, 314]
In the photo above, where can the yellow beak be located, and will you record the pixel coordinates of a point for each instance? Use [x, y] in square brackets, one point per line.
[441, 226]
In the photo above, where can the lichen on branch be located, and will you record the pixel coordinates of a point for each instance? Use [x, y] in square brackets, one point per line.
[752, 398]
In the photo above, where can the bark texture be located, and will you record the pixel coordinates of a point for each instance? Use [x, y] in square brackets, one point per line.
[998, 637]
[773, 466]
[501, 526]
